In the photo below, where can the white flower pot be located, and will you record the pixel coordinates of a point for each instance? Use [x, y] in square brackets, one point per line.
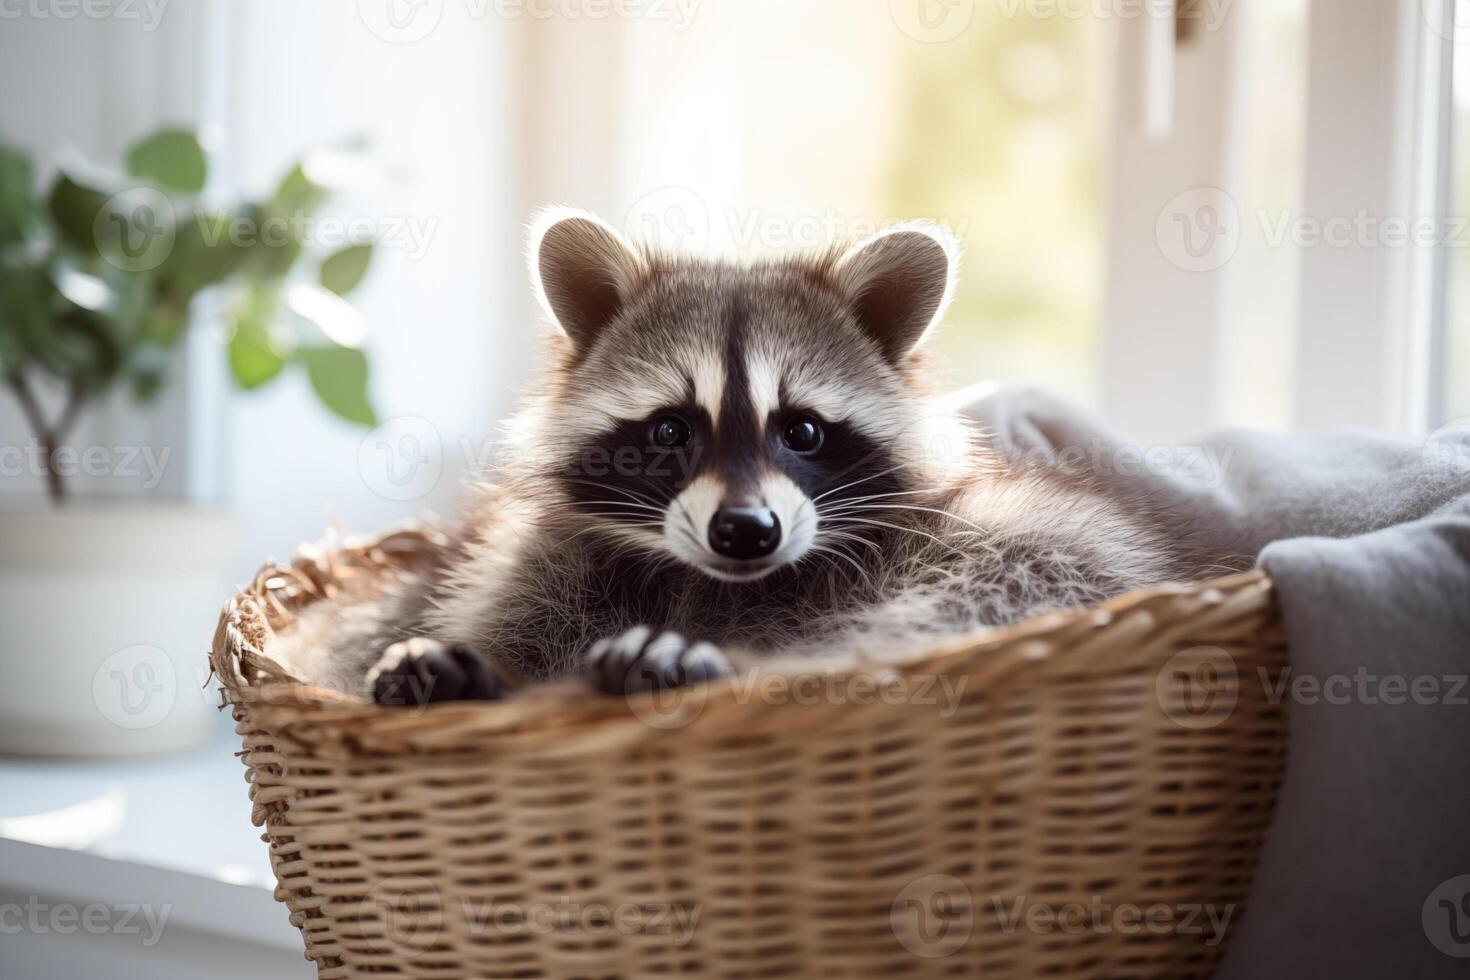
[106, 616]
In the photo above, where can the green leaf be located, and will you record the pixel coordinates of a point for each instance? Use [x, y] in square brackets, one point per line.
[296, 193]
[254, 359]
[80, 346]
[162, 324]
[9, 348]
[46, 331]
[19, 208]
[204, 254]
[74, 208]
[342, 271]
[172, 159]
[339, 377]
[13, 309]
[277, 223]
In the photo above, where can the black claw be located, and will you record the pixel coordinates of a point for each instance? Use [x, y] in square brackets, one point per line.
[643, 659]
[418, 672]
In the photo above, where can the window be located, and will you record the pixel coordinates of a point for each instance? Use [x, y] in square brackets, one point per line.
[1454, 350]
[794, 125]
[1007, 133]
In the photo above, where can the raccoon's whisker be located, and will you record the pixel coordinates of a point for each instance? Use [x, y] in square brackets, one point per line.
[853, 537]
[600, 527]
[851, 501]
[827, 493]
[927, 510]
[622, 490]
[906, 530]
[653, 569]
[621, 503]
[644, 522]
[686, 532]
[863, 575]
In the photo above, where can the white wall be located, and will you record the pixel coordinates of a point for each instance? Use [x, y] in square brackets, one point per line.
[450, 327]
[451, 330]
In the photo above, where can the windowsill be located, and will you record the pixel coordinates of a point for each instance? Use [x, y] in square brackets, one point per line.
[170, 830]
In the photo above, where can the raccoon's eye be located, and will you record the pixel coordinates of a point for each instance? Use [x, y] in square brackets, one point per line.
[803, 435]
[670, 432]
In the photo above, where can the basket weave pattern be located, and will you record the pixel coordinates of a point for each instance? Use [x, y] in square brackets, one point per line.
[720, 834]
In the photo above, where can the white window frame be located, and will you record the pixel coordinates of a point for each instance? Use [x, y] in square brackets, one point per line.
[1369, 327]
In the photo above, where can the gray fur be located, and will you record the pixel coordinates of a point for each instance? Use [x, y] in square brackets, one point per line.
[964, 541]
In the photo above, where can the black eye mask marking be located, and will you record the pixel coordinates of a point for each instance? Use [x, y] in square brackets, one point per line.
[845, 466]
[624, 475]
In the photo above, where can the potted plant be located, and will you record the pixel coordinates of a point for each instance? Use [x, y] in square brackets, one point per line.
[106, 605]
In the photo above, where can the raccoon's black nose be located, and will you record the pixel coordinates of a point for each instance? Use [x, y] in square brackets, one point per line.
[744, 533]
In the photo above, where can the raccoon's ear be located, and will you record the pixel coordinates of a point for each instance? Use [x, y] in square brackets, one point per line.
[899, 282]
[582, 269]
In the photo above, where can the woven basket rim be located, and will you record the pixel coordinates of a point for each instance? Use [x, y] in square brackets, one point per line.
[1080, 643]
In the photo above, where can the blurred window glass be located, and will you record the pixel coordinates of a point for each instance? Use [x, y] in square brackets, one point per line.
[1005, 131]
[795, 125]
[1456, 341]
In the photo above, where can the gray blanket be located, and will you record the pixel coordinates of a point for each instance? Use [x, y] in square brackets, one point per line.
[1366, 871]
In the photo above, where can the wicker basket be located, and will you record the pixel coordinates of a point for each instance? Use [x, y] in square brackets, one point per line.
[1074, 810]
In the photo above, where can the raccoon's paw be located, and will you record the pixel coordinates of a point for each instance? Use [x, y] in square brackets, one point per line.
[645, 659]
[417, 672]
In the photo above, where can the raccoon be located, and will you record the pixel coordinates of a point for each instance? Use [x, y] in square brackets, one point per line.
[732, 462]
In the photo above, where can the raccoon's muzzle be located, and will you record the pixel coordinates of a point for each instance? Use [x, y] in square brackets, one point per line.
[745, 533]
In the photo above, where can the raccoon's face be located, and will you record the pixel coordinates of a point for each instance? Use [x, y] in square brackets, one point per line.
[731, 418]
